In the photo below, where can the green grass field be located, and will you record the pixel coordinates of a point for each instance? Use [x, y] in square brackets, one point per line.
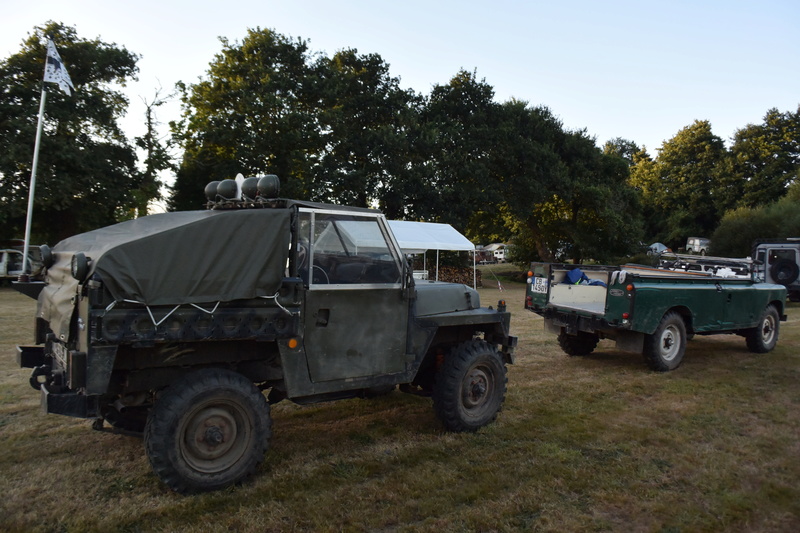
[596, 443]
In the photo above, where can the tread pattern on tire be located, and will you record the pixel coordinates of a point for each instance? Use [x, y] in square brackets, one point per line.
[160, 436]
[652, 350]
[754, 337]
[447, 391]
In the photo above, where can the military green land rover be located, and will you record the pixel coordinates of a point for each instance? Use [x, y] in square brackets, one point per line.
[186, 326]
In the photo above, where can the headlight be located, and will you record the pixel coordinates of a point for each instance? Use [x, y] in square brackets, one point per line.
[79, 266]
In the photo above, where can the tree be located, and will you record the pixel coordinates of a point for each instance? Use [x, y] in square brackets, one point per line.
[256, 113]
[459, 119]
[364, 117]
[157, 157]
[86, 165]
[591, 212]
[764, 160]
[623, 148]
[679, 188]
[741, 227]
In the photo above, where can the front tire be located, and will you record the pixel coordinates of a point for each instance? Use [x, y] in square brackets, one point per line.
[764, 337]
[581, 344]
[665, 348]
[470, 387]
[208, 430]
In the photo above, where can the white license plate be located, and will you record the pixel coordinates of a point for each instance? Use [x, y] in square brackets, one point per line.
[539, 285]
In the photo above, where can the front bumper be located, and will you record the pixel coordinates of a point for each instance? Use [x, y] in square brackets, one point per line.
[56, 401]
[69, 403]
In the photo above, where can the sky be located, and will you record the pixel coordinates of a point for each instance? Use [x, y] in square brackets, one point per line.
[640, 70]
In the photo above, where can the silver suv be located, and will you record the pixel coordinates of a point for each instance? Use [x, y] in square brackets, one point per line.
[778, 261]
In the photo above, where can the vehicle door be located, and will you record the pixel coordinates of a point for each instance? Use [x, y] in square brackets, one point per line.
[356, 312]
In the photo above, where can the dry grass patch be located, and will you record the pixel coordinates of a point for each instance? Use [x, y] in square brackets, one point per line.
[583, 443]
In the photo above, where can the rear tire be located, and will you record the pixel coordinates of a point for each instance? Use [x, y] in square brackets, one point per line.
[208, 430]
[665, 348]
[764, 337]
[581, 344]
[470, 387]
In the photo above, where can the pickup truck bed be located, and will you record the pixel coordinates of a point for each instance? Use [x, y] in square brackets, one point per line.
[651, 310]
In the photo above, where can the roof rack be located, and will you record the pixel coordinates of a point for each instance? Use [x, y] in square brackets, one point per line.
[738, 267]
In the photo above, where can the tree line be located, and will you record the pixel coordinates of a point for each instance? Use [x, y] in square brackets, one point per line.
[339, 128]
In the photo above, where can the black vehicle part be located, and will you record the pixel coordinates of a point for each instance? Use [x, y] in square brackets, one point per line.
[79, 266]
[581, 344]
[269, 186]
[784, 271]
[764, 337]
[665, 348]
[42, 370]
[47, 256]
[208, 430]
[211, 191]
[132, 419]
[470, 386]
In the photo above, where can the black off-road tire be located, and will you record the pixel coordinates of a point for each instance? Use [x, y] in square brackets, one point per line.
[764, 337]
[581, 344]
[665, 348]
[470, 386]
[208, 430]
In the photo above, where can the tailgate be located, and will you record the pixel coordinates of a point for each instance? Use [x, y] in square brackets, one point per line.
[537, 291]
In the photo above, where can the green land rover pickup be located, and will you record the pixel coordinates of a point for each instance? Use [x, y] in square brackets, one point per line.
[651, 311]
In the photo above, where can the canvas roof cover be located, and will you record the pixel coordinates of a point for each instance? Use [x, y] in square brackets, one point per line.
[417, 237]
[175, 258]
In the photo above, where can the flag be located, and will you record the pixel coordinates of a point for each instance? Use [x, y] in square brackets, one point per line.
[55, 71]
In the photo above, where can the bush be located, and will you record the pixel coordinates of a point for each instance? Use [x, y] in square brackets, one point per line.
[740, 228]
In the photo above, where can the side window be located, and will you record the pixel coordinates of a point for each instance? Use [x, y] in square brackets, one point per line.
[776, 254]
[351, 249]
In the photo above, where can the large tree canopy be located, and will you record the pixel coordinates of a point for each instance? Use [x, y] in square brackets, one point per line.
[679, 187]
[694, 182]
[333, 129]
[86, 168]
[764, 159]
[256, 113]
[364, 118]
[341, 129]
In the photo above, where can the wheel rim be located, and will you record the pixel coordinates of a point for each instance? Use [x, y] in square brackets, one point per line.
[476, 390]
[670, 343]
[768, 329]
[215, 436]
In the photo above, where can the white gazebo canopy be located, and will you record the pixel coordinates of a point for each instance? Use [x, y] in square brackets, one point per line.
[419, 237]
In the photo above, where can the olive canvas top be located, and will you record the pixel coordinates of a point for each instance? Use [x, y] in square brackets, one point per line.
[175, 258]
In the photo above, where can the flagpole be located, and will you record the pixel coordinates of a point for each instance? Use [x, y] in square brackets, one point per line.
[25, 261]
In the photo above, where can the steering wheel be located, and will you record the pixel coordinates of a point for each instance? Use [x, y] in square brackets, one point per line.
[317, 279]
